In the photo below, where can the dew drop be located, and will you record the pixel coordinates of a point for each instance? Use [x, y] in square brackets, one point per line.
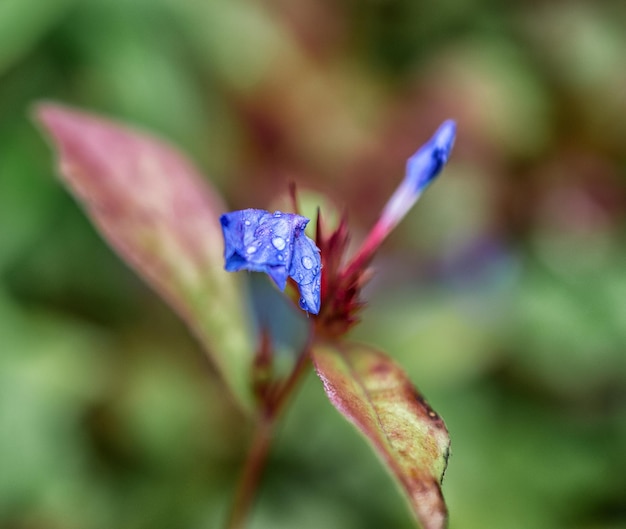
[251, 249]
[280, 256]
[307, 262]
[278, 214]
[279, 243]
[247, 222]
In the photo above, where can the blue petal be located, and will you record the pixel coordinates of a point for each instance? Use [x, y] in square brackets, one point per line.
[274, 243]
[427, 162]
[278, 274]
[258, 240]
[306, 267]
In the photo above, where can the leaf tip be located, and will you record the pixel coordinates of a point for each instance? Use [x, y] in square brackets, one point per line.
[54, 120]
[47, 113]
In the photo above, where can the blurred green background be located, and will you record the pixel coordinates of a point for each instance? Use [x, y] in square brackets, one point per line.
[503, 293]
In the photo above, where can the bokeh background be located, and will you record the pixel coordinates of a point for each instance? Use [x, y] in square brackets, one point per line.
[503, 293]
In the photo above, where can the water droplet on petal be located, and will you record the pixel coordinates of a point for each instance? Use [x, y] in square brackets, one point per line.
[307, 262]
[277, 214]
[279, 243]
[251, 249]
[280, 256]
[247, 222]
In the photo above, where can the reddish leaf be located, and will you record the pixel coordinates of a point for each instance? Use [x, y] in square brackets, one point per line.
[156, 210]
[375, 394]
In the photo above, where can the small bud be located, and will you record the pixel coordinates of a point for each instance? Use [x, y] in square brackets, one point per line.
[421, 170]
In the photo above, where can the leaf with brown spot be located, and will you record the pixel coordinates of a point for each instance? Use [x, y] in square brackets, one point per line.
[153, 207]
[375, 394]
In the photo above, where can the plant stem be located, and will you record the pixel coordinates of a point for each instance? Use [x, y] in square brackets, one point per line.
[283, 393]
[367, 250]
[250, 477]
[262, 441]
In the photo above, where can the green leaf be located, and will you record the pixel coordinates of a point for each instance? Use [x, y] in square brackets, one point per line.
[156, 210]
[375, 394]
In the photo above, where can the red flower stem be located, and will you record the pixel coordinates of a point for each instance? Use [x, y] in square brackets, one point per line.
[374, 239]
[286, 390]
[262, 441]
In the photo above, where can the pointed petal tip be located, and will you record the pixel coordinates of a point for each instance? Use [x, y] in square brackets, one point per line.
[279, 275]
[444, 137]
[310, 305]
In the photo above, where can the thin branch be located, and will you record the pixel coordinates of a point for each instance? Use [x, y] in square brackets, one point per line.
[256, 459]
[251, 475]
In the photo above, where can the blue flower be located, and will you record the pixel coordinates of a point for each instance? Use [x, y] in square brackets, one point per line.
[274, 243]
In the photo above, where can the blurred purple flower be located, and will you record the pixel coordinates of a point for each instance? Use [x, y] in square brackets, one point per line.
[274, 243]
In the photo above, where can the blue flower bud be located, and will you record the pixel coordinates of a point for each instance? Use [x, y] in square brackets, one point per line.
[427, 162]
[274, 243]
[421, 169]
